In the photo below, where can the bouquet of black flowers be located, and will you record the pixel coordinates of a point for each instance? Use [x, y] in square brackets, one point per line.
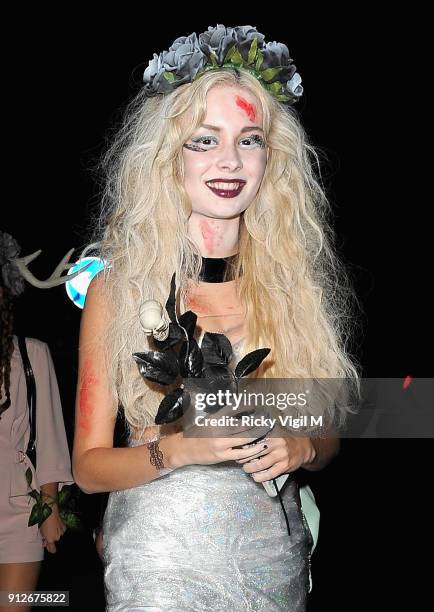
[179, 355]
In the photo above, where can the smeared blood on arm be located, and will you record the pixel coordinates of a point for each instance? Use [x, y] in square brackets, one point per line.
[86, 408]
[247, 107]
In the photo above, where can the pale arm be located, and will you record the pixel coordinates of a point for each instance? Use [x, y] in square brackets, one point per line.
[97, 466]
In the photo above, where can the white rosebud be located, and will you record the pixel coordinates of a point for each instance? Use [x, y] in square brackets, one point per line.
[151, 315]
[153, 320]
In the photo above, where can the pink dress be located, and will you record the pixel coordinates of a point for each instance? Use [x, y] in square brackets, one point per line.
[18, 542]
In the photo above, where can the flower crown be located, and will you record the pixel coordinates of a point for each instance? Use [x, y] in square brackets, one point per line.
[241, 47]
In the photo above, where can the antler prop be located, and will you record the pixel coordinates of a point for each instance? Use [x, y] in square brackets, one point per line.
[56, 277]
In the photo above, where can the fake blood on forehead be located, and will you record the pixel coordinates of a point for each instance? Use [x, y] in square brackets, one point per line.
[247, 107]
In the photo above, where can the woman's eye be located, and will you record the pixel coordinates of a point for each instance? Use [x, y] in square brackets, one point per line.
[203, 139]
[255, 139]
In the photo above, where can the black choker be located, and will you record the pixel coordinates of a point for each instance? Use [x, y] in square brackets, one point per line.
[213, 268]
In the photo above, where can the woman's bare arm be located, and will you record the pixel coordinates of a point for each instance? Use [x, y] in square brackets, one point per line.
[97, 466]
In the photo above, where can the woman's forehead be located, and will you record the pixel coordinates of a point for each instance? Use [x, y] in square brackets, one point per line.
[231, 98]
[231, 104]
[228, 103]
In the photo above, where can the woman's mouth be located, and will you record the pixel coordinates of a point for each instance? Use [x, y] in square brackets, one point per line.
[226, 190]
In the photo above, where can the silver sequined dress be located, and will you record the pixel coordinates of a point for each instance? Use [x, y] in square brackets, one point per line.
[205, 538]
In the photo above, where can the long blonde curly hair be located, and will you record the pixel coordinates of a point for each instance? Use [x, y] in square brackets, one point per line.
[289, 275]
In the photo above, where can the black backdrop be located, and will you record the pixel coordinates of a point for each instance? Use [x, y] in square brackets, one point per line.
[67, 74]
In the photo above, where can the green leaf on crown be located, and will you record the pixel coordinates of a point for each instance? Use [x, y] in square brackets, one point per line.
[259, 60]
[229, 54]
[270, 73]
[213, 58]
[169, 76]
[237, 58]
[275, 87]
[252, 51]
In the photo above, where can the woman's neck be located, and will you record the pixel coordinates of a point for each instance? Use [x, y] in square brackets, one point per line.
[214, 237]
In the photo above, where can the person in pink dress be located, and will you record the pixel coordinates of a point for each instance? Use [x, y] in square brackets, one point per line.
[21, 546]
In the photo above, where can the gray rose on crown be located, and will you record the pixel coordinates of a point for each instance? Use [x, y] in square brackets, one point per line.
[174, 67]
[277, 54]
[244, 36]
[220, 39]
[294, 87]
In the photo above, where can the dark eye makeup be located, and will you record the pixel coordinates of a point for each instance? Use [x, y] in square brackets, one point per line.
[255, 138]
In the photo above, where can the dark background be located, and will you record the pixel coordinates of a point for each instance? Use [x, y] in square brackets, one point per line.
[66, 76]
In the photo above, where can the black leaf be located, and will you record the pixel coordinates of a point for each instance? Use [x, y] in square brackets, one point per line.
[176, 334]
[219, 378]
[216, 348]
[188, 321]
[171, 407]
[214, 372]
[190, 364]
[158, 367]
[171, 301]
[250, 362]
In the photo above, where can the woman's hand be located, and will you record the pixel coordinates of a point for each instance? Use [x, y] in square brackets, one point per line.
[210, 450]
[283, 455]
[52, 529]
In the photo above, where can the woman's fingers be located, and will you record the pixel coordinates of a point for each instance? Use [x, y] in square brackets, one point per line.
[247, 454]
[263, 462]
[240, 442]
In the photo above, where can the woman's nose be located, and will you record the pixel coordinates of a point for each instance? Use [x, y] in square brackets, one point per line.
[229, 158]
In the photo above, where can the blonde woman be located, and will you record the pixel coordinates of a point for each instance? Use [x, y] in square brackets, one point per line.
[210, 176]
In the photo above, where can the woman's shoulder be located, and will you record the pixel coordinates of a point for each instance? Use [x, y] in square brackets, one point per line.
[33, 343]
[98, 293]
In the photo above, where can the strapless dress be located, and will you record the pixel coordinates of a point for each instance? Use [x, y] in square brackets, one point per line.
[206, 538]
